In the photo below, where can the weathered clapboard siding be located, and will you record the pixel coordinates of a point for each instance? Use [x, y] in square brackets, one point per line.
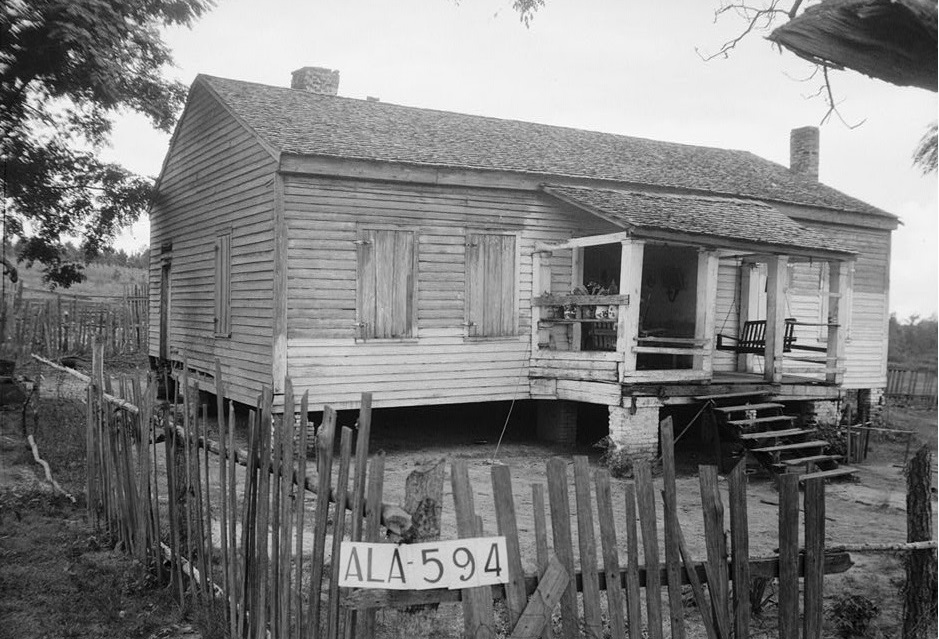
[440, 363]
[402, 373]
[866, 342]
[727, 311]
[216, 178]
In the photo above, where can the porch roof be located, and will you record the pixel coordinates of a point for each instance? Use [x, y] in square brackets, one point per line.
[714, 220]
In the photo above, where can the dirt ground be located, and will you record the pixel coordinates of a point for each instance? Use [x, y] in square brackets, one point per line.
[54, 556]
[868, 510]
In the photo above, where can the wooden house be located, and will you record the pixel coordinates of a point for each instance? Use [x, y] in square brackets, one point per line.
[439, 258]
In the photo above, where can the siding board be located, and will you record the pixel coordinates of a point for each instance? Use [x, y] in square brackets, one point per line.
[216, 178]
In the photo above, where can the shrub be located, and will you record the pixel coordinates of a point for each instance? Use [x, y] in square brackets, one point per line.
[853, 614]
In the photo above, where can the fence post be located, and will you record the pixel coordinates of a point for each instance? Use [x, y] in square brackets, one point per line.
[789, 556]
[814, 571]
[477, 602]
[672, 551]
[740, 549]
[919, 612]
[559, 502]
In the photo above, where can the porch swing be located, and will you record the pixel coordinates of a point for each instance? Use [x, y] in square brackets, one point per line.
[752, 337]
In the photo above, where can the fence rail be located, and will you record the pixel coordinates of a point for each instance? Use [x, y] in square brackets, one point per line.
[244, 539]
[912, 386]
[62, 324]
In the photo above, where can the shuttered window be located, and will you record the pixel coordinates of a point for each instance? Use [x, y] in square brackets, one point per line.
[490, 285]
[223, 285]
[386, 284]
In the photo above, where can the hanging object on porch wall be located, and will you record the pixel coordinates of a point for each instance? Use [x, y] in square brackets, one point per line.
[673, 281]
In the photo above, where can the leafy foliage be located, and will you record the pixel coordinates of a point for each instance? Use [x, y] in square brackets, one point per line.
[914, 343]
[66, 67]
[926, 155]
[853, 614]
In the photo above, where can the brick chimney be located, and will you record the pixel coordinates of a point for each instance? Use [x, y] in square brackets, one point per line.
[316, 80]
[803, 151]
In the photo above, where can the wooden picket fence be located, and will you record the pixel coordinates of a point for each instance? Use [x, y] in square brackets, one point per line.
[913, 386]
[228, 527]
[64, 324]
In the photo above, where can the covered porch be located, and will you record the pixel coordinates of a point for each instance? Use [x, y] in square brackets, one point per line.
[692, 291]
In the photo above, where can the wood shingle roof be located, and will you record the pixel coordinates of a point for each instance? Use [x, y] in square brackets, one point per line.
[708, 216]
[307, 124]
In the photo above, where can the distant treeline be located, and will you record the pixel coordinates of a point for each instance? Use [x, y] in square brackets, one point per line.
[914, 342]
[107, 257]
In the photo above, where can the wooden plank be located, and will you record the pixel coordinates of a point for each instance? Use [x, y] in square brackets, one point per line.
[814, 579]
[775, 318]
[324, 465]
[713, 511]
[229, 499]
[477, 602]
[627, 319]
[537, 614]
[672, 551]
[372, 532]
[516, 598]
[691, 572]
[289, 501]
[705, 307]
[633, 593]
[593, 623]
[300, 512]
[788, 556]
[645, 496]
[358, 488]
[740, 548]
[541, 545]
[277, 475]
[580, 242]
[563, 543]
[248, 583]
[263, 514]
[224, 500]
[339, 521]
[614, 588]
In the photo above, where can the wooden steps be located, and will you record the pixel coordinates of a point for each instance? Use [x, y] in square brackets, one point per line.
[743, 407]
[816, 443]
[771, 434]
[768, 435]
[813, 459]
[705, 398]
[771, 419]
[841, 471]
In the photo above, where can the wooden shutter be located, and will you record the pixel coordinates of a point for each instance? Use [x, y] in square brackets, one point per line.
[490, 284]
[386, 283]
[223, 285]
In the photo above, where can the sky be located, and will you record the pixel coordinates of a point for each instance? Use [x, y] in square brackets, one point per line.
[630, 67]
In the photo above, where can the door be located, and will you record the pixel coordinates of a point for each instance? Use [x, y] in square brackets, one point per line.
[165, 292]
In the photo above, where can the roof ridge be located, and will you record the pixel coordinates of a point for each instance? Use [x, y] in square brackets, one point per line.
[714, 197]
[383, 103]
[306, 124]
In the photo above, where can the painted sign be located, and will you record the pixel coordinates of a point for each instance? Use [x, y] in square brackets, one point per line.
[458, 564]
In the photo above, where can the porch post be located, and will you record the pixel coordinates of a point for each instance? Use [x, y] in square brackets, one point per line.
[838, 309]
[775, 318]
[577, 279]
[706, 308]
[749, 300]
[627, 320]
[540, 283]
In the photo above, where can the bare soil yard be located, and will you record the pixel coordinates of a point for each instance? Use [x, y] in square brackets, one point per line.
[60, 579]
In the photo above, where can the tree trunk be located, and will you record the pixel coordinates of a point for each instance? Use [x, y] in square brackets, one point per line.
[919, 605]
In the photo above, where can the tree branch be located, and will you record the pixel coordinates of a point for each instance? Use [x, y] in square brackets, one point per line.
[757, 19]
[832, 105]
